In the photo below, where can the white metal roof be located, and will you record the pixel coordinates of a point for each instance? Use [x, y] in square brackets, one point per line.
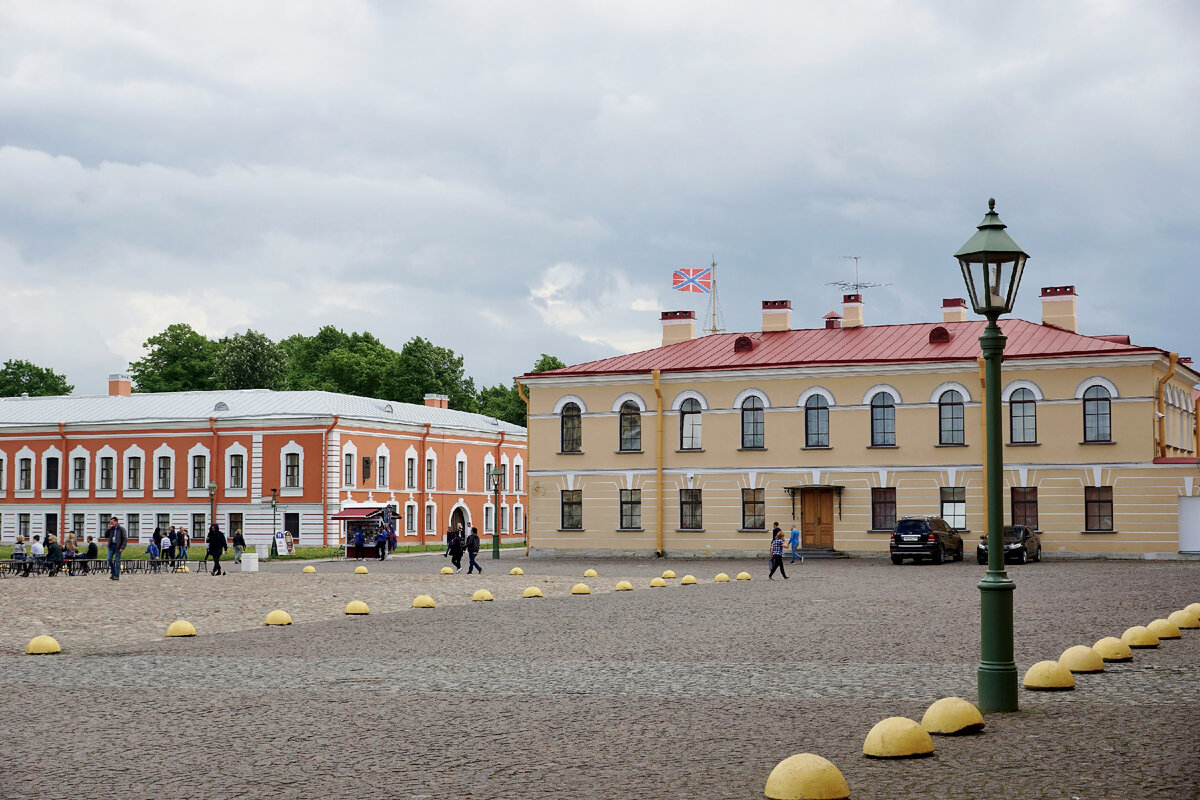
[242, 404]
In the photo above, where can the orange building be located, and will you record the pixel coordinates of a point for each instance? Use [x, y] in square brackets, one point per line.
[67, 464]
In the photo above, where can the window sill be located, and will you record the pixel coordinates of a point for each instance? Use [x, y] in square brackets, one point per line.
[1023, 444]
[690, 450]
[754, 449]
[689, 530]
[631, 530]
[882, 446]
[195, 492]
[752, 530]
[51, 493]
[570, 530]
[110, 493]
[816, 447]
[961, 444]
[73, 493]
[628, 452]
[880, 530]
[129, 493]
[231, 491]
[23, 493]
[1100, 443]
[1090, 533]
[569, 453]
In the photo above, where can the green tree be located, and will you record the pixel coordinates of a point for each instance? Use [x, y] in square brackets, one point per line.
[547, 362]
[424, 368]
[334, 361]
[506, 403]
[249, 360]
[22, 377]
[177, 360]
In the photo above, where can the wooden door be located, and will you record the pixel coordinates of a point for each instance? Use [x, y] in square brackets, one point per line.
[816, 518]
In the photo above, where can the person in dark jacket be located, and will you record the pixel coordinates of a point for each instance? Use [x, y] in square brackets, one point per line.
[456, 551]
[54, 556]
[92, 553]
[117, 539]
[381, 544]
[360, 542]
[216, 546]
[239, 545]
[473, 550]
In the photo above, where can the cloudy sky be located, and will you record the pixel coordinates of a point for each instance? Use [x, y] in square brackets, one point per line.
[514, 178]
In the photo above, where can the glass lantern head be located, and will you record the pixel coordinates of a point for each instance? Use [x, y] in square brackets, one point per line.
[992, 264]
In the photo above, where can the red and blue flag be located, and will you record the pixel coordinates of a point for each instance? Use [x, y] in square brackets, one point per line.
[693, 280]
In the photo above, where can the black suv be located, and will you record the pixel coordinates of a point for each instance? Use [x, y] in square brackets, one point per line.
[1021, 544]
[919, 538]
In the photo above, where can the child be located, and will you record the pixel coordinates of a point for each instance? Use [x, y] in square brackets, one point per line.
[152, 550]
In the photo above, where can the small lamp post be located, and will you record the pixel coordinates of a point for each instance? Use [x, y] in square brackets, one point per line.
[212, 506]
[496, 475]
[274, 508]
[992, 264]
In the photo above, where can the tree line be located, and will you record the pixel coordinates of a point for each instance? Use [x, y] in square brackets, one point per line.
[181, 359]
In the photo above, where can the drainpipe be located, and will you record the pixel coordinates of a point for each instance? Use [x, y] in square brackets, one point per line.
[658, 459]
[1161, 403]
[424, 457]
[528, 450]
[983, 419]
[62, 484]
[325, 482]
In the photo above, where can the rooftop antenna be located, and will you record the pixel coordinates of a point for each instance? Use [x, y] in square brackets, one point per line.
[856, 285]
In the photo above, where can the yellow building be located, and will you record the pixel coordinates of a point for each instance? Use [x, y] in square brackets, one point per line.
[698, 446]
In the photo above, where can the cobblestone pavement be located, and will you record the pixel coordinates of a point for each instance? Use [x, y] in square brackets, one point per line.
[684, 691]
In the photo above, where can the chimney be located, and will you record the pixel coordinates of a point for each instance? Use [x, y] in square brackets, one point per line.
[833, 320]
[120, 385]
[437, 401]
[678, 326]
[852, 314]
[776, 315]
[954, 309]
[1058, 307]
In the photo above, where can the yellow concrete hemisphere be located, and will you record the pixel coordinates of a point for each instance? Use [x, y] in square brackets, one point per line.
[668, 573]
[278, 617]
[181, 627]
[516, 571]
[360, 570]
[657, 582]
[1139, 637]
[743, 576]
[1110, 648]
[590, 573]
[897, 737]
[1164, 629]
[309, 569]
[423, 601]
[42, 646]
[1193, 609]
[182, 568]
[952, 716]
[1081, 658]
[1048, 676]
[357, 607]
[721, 578]
[447, 570]
[1182, 619]
[532, 591]
[581, 588]
[623, 586]
[481, 596]
[687, 580]
[805, 776]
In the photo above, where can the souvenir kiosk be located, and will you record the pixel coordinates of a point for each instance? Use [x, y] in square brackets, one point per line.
[369, 520]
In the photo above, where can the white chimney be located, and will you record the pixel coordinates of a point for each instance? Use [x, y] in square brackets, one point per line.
[678, 326]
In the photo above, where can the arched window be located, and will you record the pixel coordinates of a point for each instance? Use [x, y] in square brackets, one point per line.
[1097, 415]
[883, 420]
[689, 424]
[1022, 417]
[950, 418]
[631, 427]
[572, 429]
[816, 422]
[752, 423]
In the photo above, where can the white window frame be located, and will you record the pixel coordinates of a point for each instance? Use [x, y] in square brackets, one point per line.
[133, 451]
[163, 450]
[3, 475]
[489, 516]
[430, 517]
[349, 449]
[518, 478]
[47, 454]
[383, 456]
[504, 480]
[410, 519]
[489, 462]
[431, 480]
[291, 448]
[236, 449]
[86, 455]
[518, 518]
[412, 477]
[107, 452]
[198, 449]
[461, 459]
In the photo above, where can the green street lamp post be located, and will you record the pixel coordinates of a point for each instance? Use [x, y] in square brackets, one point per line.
[992, 264]
[496, 475]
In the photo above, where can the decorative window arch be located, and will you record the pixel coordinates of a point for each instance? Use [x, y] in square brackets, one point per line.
[49, 483]
[691, 424]
[518, 484]
[460, 472]
[751, 392]
[1096, 380]
[629, 397]
[753, 422]
[133, 480]
[504, 481]
[570, 398]
[237, 457]
[571, 428]
[1097, 414]
[349, 463]
[197, 480]
[687, 394]
[870, 394]
[291, 470]
[489, 463]
[936, 396]
[1021, 384]
[430, 516]
[164, 470]
[1022, 416]
[630, 428]
[951, 417]
[23, 480]
[73, 482]
[410, 518]
[383, 466]
[412, 475]
[883, 419]
[802, 400]
[431, 469]
[816, 420]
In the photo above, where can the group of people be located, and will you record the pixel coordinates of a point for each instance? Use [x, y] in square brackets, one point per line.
[384, 541]
[53, 555]
[457, 544]
[777, 550]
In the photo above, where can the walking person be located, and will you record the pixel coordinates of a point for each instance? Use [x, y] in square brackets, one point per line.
[182, 540]
[381, 544]
[449, 539]
[794, 543]
[117, 539]
[775, 531]
[473, 550]
[216, 546]
[456, 551]
[777, 557]
[239, 545]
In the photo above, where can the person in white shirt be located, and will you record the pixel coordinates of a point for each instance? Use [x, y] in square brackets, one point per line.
[36, 550]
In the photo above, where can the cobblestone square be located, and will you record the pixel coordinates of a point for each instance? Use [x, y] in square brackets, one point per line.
[682, 691]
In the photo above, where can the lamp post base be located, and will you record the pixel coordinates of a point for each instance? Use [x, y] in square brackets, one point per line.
[997, 676]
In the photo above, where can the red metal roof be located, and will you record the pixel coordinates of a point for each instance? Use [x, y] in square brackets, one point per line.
[357, 513]
[874, 344]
